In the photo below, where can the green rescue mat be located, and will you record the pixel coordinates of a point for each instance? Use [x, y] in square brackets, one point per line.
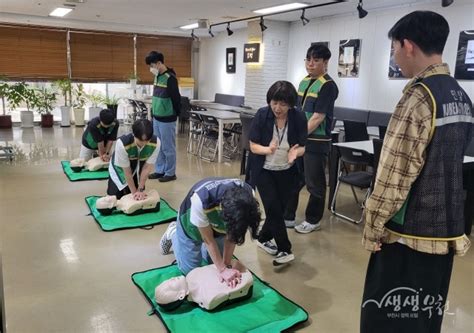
[266, 311]
[118, 220]
[84, 174]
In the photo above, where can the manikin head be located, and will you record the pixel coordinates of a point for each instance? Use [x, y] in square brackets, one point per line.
[171, 293]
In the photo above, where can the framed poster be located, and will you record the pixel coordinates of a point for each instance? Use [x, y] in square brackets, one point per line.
[465, 56]
[394, 72]
[251, 53]
[230, 59]
[349, 58]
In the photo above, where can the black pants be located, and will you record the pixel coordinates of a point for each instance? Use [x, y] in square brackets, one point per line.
[315, 179]
[112, 189]
[418, 305]
[274, 188]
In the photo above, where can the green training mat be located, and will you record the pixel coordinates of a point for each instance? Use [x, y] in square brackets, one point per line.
[84, 174]
[266, 311]
[118, 220]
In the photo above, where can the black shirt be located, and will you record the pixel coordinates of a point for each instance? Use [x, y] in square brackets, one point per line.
[95, 133]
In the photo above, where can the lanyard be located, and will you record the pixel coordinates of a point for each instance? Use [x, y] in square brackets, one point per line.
[280, 138]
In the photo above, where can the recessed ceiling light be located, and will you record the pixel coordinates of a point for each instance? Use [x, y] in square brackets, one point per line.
[281, 8]
[189, 26]
[60, 12]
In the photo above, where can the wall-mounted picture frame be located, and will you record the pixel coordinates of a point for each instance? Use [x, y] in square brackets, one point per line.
[394, 71]
[230, 59]
[465, 56]
[252, 53]
[349, 58]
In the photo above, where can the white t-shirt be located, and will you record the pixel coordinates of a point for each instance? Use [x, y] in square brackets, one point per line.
[121, 156]
[279, 159]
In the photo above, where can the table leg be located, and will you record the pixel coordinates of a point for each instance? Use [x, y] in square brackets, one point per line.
[219, 141]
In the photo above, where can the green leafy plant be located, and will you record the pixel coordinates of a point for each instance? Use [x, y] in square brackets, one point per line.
[111, 100]
[96, 98]
[46, 100]
[65, 86]
[79, 96]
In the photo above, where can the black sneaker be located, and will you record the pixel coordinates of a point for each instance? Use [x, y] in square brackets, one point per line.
[283, 258]
[268, 247]
[165, 179]
[155, 175]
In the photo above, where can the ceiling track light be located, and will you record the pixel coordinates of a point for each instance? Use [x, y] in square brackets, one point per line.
[210, 32]
[263, 27]
[194, 37]
[446, 3]
[362, 12]
[304, 20]
[229, 32]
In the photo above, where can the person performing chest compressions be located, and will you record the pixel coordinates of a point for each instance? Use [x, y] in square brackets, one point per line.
[133, 160]
[99, 136]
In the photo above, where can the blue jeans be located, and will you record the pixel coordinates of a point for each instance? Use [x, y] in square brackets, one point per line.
[166, 161]
[188, 252]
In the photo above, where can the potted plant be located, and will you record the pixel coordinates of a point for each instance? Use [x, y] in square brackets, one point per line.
[64, 86]
[5, 120]
[20, 92]
[133, 78]
[46, 100]
[112, 104]
[96, 98]
[79, 100]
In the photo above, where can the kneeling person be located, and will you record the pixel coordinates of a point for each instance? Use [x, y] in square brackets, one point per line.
[99, 136]
[212, 219]
[133, 160]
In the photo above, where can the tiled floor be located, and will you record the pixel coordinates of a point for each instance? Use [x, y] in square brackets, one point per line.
[61, 273]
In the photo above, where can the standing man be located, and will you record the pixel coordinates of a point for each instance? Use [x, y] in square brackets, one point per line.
[316, 96]
[414, 217]
[99, 136]
[166, 104]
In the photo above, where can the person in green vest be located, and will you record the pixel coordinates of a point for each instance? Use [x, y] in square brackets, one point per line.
[166, 104]
[213, 218]
[133, 160]
[99, 136]
[317, 93]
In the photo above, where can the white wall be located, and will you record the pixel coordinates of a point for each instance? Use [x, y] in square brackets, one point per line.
[372, 89]
[212, 65]
[274, 50]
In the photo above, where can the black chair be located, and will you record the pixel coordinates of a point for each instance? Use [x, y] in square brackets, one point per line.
[377, 143]
[246, 121]
[210, 135]
[359, 179]
[195, 133]
[382, 131]
[355, 131]
[184, 114]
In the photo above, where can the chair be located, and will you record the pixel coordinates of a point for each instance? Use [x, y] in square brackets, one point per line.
[184, 114]
[246, 121]
[377, 143]
[210, 135]
[382, 131]
[359, 179]
[355, 131]
[195, 133]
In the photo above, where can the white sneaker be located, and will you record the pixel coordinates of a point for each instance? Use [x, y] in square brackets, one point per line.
[290, 223]
[283, 258]
[268, 247]
[165, 242]
[306, 227]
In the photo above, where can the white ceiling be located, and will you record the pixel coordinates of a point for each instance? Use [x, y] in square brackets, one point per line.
[158, 16]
